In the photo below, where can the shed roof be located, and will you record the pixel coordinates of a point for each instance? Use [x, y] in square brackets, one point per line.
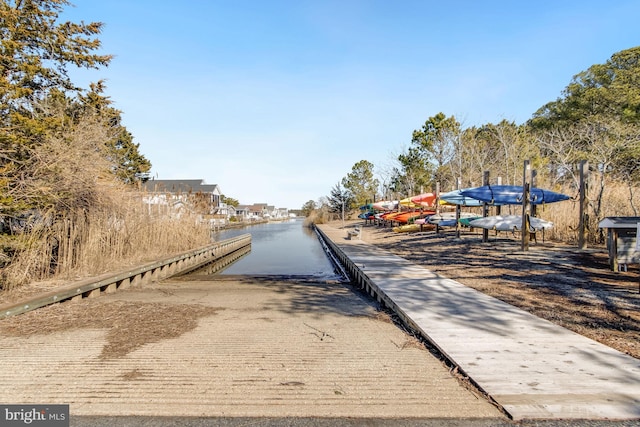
[619, 222]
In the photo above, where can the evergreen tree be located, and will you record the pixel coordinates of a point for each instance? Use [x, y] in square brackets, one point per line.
[439, 142]
[360, 183]
[340, 201]
[604, 91]
[127, 163]
[413, 175]
[229, 201]
[40, 105]
[308, 207]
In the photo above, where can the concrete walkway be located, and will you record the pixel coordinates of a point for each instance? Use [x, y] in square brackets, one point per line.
[271, 348]
[531, 367]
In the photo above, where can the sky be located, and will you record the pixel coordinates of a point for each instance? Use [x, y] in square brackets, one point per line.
[276, 100]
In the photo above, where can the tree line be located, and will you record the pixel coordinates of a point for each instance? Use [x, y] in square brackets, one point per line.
[596, 119]
[64, 151]
[56, 137]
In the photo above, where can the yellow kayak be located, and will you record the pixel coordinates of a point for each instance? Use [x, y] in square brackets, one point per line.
[412, 228]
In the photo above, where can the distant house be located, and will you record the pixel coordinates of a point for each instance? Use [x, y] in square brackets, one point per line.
[192, 194]
[196, 196]
[269, 211]
[282, 213]
[228, 210]
[243, 213]
[259, 210]
[185, 189]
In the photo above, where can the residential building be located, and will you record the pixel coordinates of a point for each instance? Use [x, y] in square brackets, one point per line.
[192, 194]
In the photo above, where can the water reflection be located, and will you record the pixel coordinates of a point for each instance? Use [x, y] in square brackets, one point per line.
[280, 248]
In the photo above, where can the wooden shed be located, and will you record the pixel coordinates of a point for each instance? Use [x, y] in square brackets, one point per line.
[622, 240]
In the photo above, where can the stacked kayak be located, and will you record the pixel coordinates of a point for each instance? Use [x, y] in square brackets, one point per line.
[511, 195]
[412, 228]
[448, 219]
[509, 223]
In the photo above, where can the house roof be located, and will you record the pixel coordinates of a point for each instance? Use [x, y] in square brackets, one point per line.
[213, 188]
[179, 186]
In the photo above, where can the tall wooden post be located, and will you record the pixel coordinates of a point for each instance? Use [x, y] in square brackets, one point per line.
[499, 208]
[485, 208]
[526, 180]
[458, 209]
[437, 202]
[582, 223]
[533, 208]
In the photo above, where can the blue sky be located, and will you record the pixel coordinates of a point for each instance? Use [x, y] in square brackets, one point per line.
[275, 101]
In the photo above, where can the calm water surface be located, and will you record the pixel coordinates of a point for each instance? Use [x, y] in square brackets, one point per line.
[280, 248]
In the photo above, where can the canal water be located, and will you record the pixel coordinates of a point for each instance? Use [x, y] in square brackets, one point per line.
[280, 248]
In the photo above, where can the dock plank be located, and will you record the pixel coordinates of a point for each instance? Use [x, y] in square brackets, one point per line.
[533, 368]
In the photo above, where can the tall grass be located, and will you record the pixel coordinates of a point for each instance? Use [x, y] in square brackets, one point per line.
[617, 200]
[124, 232]
[73, 217]
[317, 216]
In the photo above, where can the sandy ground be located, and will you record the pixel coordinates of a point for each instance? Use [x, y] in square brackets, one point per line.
[238, 346]
[572, 288]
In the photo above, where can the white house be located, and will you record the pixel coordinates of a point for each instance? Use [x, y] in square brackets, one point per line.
[193, 194]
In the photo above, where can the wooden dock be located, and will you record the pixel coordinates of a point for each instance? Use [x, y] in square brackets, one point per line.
[531, 367]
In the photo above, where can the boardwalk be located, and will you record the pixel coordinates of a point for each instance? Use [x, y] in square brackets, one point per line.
[531, 367]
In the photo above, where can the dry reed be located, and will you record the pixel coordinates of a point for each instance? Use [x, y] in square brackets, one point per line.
[84, 221]
[566, 215]
[125, 232]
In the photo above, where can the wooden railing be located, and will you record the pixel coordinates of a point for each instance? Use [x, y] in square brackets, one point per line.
[109, 283]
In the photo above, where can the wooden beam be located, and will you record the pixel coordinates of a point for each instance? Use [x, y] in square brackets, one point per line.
[485, 208]
[526, 181]
[582, 222]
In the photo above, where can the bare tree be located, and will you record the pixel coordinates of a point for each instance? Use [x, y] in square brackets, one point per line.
[607, 142]
[561, 147]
